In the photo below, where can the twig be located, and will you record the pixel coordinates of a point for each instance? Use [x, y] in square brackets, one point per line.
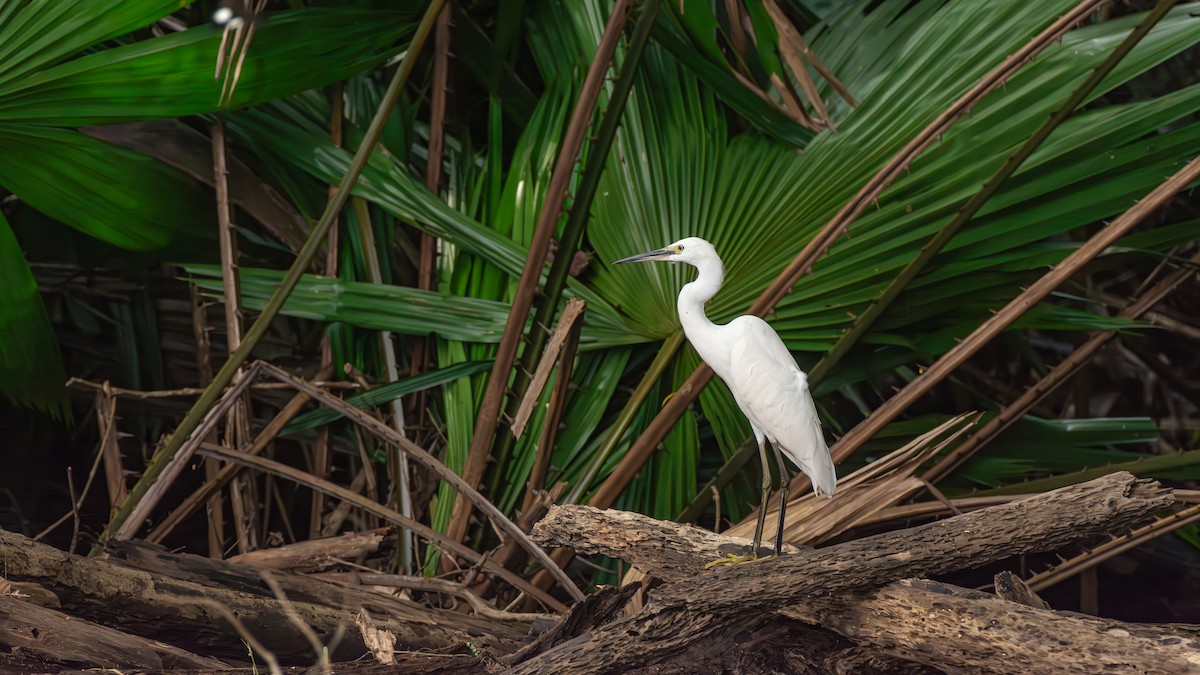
[571, 315]
[194, 391]
[78, 503]
[321, 456]
[200, 333]
[237, 425]
[427, 257]
[401, 478]
[74, 512]
[554, 412]
[289, 610]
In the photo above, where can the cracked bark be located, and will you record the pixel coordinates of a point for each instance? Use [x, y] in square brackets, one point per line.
[833, 587]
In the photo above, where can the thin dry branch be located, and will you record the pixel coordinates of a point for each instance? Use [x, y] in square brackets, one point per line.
[571, 314]
[318, 381]
[170, 471]
[1091, 558]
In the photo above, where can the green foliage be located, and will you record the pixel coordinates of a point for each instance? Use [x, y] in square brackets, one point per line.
[114, 194]
[31, 371]
[698, 154]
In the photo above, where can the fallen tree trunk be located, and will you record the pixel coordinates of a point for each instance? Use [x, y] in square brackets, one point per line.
[700, 603]
[53, 637]
[186, 600]
[949, 627]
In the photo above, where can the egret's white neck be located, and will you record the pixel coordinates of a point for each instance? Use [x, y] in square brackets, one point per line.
[711, 274]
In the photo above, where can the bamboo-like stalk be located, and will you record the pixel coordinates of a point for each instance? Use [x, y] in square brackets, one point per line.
[321, 456]
[1089, 559]
[391, 374]
[212, 392]
[216, 512]
[556, 193]
[427, 258]
[554, 412]
[237, 426]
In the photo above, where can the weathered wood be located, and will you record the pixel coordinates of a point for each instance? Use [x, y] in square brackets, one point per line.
[594, 611]
[323, 591]
[701, 602]
[188, 611]
[1014, 589]
[53, 637]
[314, 554]
[934, 624]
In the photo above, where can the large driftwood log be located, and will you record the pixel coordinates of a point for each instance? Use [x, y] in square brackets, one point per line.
[699, 603]
[53, 637]
[955, 628]
[184, 600]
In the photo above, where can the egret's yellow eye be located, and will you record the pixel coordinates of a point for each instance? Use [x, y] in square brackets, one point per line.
[679, 249]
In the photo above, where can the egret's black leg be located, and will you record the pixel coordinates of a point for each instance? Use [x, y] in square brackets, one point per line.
[732, 559]
[784, 484]
[766, 493]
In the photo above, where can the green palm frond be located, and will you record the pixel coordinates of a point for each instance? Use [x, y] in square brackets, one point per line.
[172, 75]
[31, 370]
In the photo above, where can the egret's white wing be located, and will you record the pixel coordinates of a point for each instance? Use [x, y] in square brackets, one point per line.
[773, 392]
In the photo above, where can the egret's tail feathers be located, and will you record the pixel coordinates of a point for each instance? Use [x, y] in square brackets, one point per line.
[820, 470]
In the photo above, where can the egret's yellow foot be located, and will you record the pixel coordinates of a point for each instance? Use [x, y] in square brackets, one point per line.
[731, 559]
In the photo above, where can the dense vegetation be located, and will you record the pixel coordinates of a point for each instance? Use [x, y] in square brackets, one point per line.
[111, 260]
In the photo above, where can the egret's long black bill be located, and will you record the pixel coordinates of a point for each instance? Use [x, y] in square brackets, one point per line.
[660, 254]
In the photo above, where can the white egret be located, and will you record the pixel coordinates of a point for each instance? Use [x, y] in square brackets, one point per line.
[768, 386]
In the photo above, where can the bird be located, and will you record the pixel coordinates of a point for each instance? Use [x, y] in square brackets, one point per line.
[770, 388]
